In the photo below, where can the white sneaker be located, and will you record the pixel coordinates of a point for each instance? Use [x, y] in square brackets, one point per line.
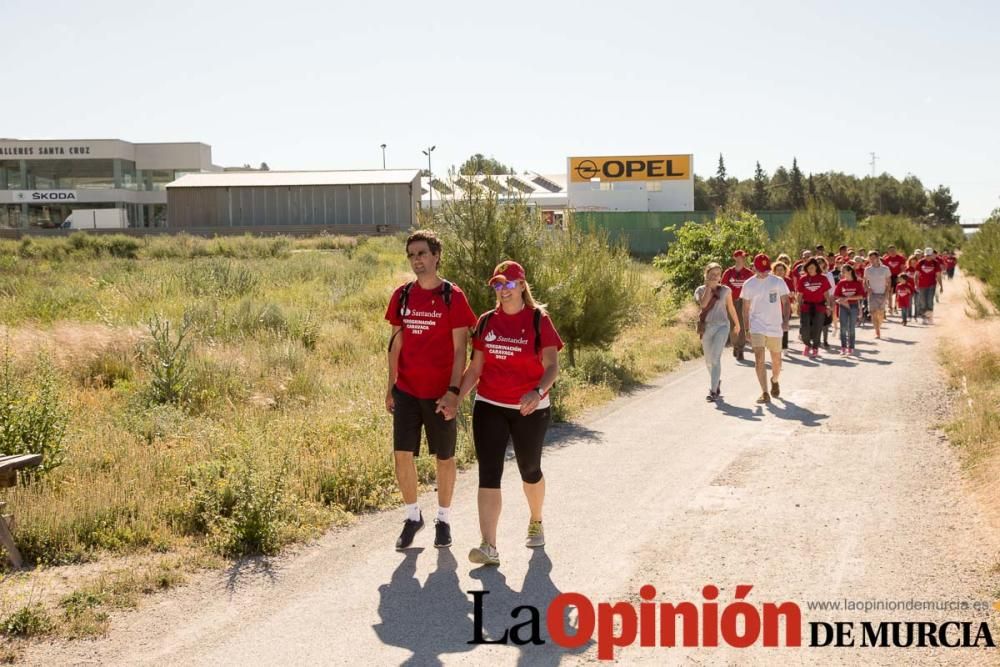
[485, 554]
[536, 536]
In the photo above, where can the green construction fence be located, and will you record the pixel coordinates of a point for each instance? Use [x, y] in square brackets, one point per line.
[643, 232]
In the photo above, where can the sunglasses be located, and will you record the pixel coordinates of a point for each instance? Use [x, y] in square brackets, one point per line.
[510, 284]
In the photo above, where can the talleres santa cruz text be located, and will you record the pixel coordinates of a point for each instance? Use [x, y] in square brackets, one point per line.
[709, 623]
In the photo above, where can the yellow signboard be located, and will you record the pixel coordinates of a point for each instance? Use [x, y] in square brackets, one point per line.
[631, 168]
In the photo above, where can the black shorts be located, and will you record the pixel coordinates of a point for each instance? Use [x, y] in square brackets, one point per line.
[493, 426]
[895, 281]
[412, 413]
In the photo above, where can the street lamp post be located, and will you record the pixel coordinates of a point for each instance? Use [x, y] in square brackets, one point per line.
[430, 177]
[383, 156]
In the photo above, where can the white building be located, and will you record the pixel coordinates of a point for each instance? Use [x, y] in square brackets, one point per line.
[42, 182]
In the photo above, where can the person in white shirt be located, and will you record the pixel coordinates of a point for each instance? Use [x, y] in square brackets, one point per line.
[766, 310]
[878, 278]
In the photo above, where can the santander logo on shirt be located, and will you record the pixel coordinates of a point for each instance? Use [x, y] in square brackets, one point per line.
[490, 337]
[503, 347]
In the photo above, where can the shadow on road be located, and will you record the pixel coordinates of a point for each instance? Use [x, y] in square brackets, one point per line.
[791, 411]
[900, 341]
[436, 619]
[730, 410]
[429, 620]
[249, 569]
[797, 360]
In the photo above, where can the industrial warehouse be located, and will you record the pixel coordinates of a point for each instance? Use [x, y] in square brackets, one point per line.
[354, 201]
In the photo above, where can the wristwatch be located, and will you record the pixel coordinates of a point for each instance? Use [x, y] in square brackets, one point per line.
[455, 390]
[540, 392]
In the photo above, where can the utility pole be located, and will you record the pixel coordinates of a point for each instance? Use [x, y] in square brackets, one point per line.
[383, 156]
[430, 177]
[874, 158]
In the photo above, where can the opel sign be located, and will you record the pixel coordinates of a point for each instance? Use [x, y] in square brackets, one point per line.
[631, 168]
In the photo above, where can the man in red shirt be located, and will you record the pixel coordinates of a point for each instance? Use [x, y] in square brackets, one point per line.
[928, 278]
[430, 320]
[733, 278]
[895, 262]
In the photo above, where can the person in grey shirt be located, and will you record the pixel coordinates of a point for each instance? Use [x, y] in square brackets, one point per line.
[877, 280]
[714, 324]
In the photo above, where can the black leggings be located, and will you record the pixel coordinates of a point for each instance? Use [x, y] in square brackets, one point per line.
[492, 426]
[813, 320]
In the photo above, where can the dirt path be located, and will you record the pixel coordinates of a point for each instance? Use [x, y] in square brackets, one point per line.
[840, 489]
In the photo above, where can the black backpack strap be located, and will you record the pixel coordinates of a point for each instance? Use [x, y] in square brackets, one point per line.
[537, 320]
[404, 296]
[484, 320]
[446, 290]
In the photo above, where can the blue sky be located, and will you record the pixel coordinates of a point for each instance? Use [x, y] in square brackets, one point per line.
[309, 85]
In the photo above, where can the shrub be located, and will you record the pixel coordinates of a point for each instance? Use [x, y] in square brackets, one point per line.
[28, 621]
[697, 244]
[979, 257]
[33, 417]
[240, 507]
[478, 231]
[220, 279]
[589, 285]
[167, 358]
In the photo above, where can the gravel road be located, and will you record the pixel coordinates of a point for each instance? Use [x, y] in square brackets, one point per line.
[841, 489]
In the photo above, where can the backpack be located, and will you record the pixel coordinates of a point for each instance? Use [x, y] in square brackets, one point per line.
[536, 321]
[404, 296]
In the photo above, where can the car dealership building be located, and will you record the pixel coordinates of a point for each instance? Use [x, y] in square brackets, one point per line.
[42, 182]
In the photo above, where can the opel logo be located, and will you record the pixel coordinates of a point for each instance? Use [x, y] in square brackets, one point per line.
[587, 169]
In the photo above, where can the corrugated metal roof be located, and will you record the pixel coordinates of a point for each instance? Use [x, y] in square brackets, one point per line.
[287, 178]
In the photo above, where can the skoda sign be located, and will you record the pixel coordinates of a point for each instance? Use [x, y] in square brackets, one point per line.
[45, 196]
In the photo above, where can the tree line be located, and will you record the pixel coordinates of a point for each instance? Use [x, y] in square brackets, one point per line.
[792, 189]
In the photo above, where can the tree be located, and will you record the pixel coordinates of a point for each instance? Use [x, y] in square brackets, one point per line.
[719, 185]
[758, 201]
[264, 167]
[796, 191]
[479, 164]
[778, 199]
[942, 209]
[702, 194]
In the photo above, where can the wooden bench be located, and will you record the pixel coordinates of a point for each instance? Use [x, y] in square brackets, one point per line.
[9, 465]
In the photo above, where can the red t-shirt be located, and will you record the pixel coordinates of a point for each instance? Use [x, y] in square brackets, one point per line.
[860, 271]
[510, 366]
[790, 282]
[903, 292]
[895, 263]
[813, 290]
[848, 288]
[428, 351]
[950, 262]
[927, 270]
[734, 279]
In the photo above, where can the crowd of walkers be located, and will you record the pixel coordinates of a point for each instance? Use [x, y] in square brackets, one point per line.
[829, 291]
[514, 361]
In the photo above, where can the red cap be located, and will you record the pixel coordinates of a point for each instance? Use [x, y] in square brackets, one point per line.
[506, 272]
[762, 263]
[739, 253]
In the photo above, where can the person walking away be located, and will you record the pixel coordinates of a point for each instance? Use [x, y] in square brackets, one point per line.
[515, 362]
[896, 264]
[911, 271]
[733, 278]
[849, 292]
[766, 309]
[928, 278]
[813, 299]
[717, 309]
[824, 268]
[878, 280]
[904, 294]
[430, 319]
[781, 270]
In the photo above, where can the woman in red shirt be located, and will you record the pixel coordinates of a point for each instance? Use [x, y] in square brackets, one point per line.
[515, 361]
[848, 293]
[813, 300]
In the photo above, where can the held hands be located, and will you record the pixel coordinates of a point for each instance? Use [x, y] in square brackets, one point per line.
[529, 402]
[447, 405]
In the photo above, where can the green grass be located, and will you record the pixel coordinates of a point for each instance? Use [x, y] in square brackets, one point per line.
[276, 427]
